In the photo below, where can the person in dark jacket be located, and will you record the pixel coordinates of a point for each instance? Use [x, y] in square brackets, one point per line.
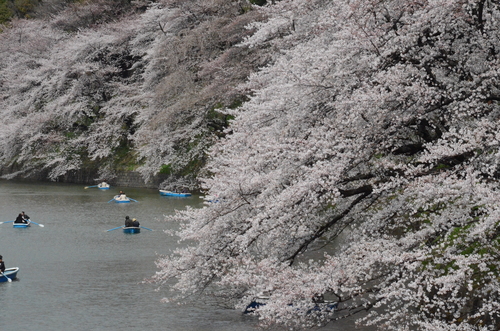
[2, 265]
[135, 223]
[20, 219]
[128, 222]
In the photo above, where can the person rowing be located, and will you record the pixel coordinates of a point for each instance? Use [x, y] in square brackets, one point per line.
[103, 185]
[2, 264]
[131, 222]
[121, 196]
[22, 218]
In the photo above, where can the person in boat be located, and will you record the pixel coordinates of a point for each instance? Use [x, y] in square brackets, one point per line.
[128, 222]
[121, 196]
[2, 264]
[103, 184]
[318, 298]
[135, 223]
[22, 218]
[25, 217]
[19, 219]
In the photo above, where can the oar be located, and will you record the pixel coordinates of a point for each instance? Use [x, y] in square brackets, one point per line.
[40, 225]
[116, 228]
[145, 228]
[111, 200]
[8, 279]
[6, 222]
[86, 187]
[133, 199]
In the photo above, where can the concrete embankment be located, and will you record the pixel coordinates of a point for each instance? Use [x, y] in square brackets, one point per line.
[88, 177]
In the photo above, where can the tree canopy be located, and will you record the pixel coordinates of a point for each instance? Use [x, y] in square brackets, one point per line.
[121, 85]
[363, 168]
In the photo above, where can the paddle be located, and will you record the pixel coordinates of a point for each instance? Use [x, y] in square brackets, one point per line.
[86, 187]
[111, 200]
[40, 225]
[6, 222]
[145, 228]
[133, 199]
[8, 279]
[116, 228]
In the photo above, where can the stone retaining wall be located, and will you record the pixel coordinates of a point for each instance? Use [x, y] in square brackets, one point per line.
[134, 179]
[87, 177]
[123, 179]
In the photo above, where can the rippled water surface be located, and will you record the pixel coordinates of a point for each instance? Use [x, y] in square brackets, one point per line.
[76, 276]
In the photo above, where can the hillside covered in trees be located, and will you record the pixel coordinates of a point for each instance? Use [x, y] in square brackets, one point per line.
[350, 147]
[121, 85]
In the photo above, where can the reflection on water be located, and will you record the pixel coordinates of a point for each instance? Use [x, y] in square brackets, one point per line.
[76, 276]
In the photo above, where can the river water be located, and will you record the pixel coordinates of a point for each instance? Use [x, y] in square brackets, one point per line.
[75, 275]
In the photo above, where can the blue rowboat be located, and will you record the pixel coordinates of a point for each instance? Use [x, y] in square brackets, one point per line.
[121, 199]
[132, 229]
[9, 272]
[261, 300]
[103, 186]
[22, 225]
[126, 200]
[173, 194]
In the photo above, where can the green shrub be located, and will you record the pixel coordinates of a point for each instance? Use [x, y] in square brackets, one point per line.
[166, 169]
[5, 12]
[24, 7]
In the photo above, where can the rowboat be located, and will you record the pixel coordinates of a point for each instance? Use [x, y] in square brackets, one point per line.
[211, 199]
[22, 225]
[261, 300]
[9, 272]
[132, 229]
[121, 199]
[174, 194]
[103, 186]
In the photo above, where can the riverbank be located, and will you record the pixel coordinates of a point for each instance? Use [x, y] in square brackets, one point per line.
[88, 177]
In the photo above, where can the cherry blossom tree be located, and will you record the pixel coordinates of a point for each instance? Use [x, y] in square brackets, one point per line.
[122, 84]
[363, 169]
[193, 68]
[59, 104]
